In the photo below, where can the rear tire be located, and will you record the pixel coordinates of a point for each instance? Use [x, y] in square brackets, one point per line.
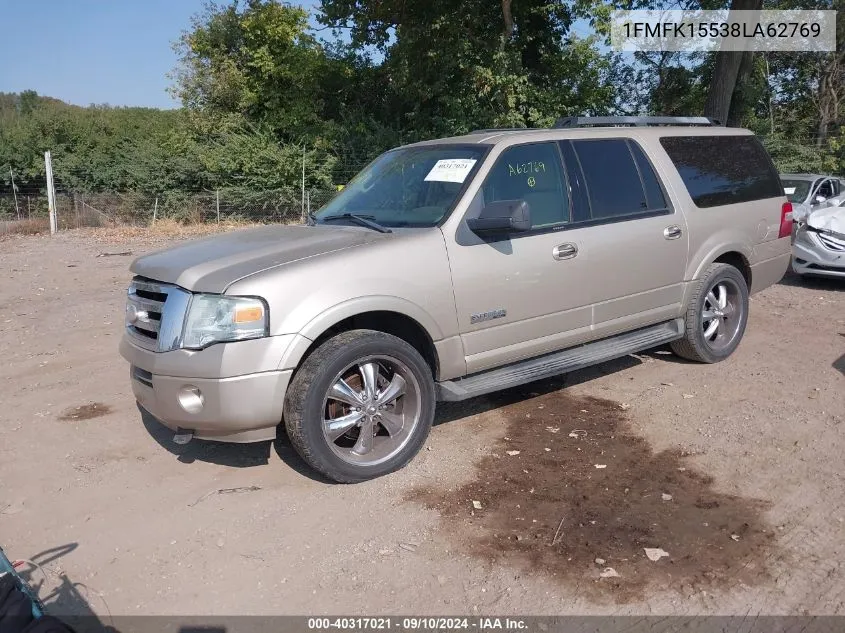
[716, 316]
[360, 406]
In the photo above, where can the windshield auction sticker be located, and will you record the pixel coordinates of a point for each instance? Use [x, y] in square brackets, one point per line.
[704, 31]
[451, 170]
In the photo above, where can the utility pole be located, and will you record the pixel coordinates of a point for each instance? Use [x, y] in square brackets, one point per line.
[15, 193]
[51, 192]
[303, 182]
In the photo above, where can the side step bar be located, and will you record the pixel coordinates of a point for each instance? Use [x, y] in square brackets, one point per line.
[559, 362]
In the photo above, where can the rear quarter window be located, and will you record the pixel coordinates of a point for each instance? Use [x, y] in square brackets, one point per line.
[720, 170]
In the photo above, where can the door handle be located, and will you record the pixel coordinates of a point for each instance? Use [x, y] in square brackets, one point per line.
[672, 232]
[565, 251]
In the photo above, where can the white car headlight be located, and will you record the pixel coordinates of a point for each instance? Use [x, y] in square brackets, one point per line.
[218, 319]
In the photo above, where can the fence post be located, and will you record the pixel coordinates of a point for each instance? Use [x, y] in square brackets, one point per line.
[15, 193]
[302, 213]
[218, 206]
[155, 210]
[51, 192]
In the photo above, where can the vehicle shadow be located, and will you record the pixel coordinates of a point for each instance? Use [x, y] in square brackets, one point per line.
[288, 455]
[258, 453]
[839, 363]
[220, 453]
[227, 454]
[812, 283]
[452, 411]
[664, 353]
[65, 599]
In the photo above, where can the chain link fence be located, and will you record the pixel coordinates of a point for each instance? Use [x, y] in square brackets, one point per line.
[25, 209]
[30, 213]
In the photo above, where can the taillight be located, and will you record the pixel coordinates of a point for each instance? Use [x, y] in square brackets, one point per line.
[785, 220]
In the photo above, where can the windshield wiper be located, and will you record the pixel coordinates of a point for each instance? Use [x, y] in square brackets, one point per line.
[363, 220]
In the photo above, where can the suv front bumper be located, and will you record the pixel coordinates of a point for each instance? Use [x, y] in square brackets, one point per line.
[812, 257]
[206, 392]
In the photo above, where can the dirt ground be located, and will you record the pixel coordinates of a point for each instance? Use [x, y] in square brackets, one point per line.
[539, 500]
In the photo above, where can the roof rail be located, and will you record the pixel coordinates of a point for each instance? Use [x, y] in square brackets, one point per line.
[493, 130]
[637, 121]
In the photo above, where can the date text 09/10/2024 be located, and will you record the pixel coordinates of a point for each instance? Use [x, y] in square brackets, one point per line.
[417, 624]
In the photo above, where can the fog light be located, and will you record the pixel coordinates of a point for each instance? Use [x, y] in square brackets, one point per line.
[191, 399]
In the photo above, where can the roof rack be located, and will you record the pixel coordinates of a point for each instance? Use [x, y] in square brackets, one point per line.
[609, 121]
[493, 130]
[636, 121]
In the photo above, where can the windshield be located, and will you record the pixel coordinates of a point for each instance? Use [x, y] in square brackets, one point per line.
[796, 190]
[414, 187]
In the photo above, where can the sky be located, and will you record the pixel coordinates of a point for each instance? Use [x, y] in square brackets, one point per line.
[116, 52]
[92, 51]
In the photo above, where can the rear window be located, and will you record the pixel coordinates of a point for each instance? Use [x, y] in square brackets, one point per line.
[720, 170]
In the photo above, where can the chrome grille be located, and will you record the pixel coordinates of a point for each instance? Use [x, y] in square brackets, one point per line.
[828, 241]
[155, 313]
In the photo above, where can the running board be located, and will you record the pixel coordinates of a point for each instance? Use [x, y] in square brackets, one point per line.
[559, 362]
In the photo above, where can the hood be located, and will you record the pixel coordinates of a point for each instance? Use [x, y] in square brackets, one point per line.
[829, 220]
[212, 264]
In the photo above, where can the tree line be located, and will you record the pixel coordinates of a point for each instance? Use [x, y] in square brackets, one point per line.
[267, 89]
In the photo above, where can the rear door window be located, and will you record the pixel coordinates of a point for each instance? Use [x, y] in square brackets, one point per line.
[618, 178]
[532, 173]
[719, 170]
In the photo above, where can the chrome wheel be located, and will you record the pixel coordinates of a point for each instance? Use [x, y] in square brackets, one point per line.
[371, 410]
[721, 318]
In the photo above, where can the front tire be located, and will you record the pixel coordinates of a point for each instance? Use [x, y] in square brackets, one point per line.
[716, 316]
[360, 406]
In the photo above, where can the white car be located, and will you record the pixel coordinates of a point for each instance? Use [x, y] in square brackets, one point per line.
[819, 243]
[808, 192]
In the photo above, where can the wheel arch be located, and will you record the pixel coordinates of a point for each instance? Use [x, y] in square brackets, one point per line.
[738, 261]
[397, 317]
[737, 255]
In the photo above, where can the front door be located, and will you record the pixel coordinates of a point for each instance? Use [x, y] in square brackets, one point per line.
[522, 294]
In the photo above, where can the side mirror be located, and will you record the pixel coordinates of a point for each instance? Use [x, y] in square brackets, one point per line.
[819, 199]
[502, 216]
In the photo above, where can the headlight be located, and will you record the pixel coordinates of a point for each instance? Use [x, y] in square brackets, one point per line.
[216, 319]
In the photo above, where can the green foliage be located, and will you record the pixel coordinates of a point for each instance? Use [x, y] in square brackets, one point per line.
[258, 61]
[452, 68]
[796, 156]
[261, 93]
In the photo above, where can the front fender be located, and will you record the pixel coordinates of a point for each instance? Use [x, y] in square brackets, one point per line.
[350, 308]
[376, 303]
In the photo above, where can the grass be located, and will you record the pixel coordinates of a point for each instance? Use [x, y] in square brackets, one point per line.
[24, 227]
[172, 228]
[162, 230]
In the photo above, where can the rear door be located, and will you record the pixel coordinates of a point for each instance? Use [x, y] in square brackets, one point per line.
[637, 241]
